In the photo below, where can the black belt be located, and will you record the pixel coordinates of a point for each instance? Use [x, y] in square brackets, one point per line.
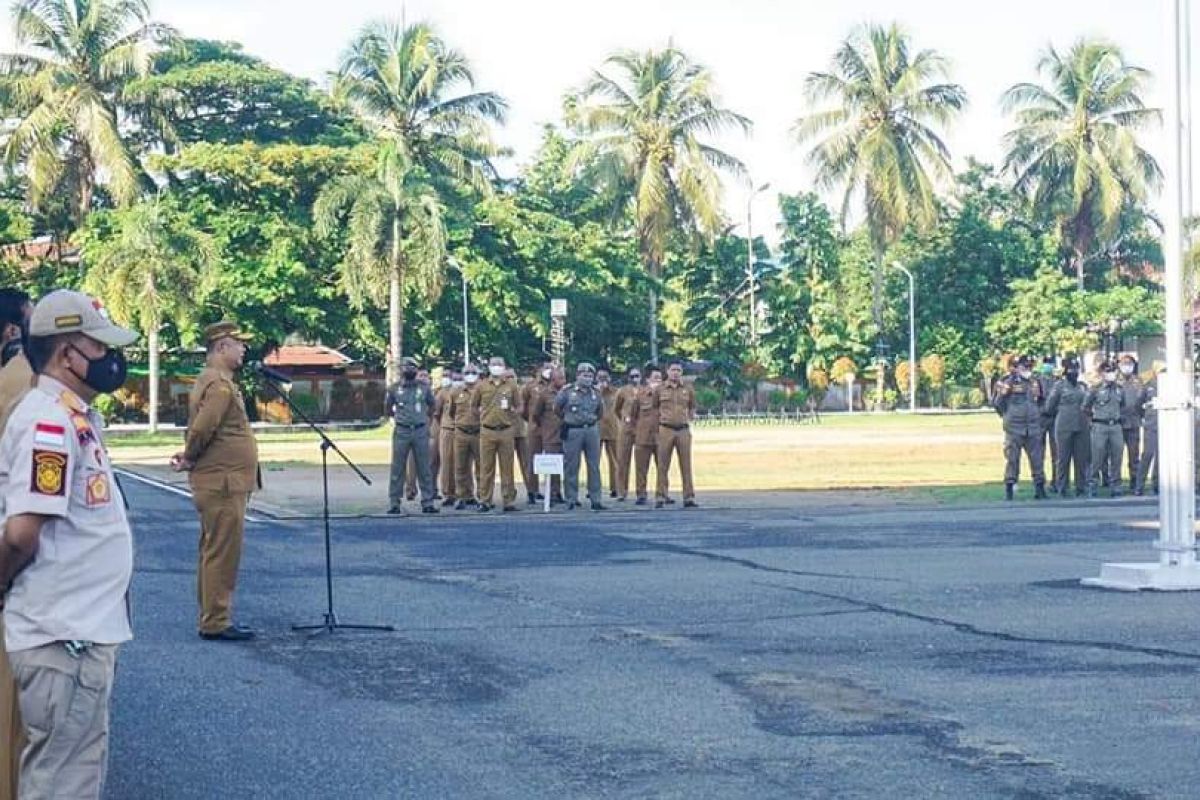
[411, 427]
[497, 428]
[468, 429]
[673, 427]
[579, 427]
[1106, 421]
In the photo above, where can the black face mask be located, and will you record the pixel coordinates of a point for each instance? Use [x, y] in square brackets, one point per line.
[1072, 378]
[104, 374]
[410, 375]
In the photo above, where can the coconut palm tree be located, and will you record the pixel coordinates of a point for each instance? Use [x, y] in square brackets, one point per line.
[148, 264]
[644, 120]
[1074, 150]
[879, 109]
[65, 85]
[406, 85]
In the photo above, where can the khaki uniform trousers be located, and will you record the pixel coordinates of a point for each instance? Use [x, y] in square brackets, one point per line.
[624, 461]
[65, 704]
[1107, 441]
[643, 454]
[1133, 446]
[609, 446]
[672, 441]
[525, 459]
[533, 446]
[1074, 447]
[466, 465]
[1031, 444]
[1148, 464]
[446, 476]
[493, 446]
[222, 530]
[12, 732]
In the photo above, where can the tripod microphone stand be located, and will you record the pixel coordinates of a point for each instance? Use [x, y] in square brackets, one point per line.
[330, 622]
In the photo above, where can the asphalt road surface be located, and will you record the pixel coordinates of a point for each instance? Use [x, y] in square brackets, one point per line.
[849, 652]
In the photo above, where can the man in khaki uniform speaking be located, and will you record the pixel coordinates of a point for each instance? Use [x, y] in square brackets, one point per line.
[15, 380]
[66, 555]
[498, 405]
[676, 404]
[222, 458]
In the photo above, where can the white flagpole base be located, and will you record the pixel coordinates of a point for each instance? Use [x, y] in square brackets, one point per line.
[1135, 577]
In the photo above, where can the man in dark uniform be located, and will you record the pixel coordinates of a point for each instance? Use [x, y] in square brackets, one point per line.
[1065, 407]
[409, 403]
[1148, 464]
[1105, 403]
[1019, 401]
[580, 406]
[221, 457]
[1131, 414]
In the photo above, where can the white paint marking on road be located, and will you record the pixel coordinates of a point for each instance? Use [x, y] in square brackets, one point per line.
[166, 487]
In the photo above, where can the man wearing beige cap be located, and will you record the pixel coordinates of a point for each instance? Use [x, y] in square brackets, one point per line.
[221, 457]
[66, 610]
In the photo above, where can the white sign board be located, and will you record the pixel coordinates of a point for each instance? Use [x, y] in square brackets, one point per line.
[548, 464]
[558, 308]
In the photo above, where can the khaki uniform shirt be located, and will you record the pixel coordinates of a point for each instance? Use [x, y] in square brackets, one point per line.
[1105, 402]
[610, 426]
[53, 463]
[498, 403]
[1019, 402]
[409, 404]
[623, 408]
[529, 393]
[219, 440]
[463, 410]
[441, 408]
[1065, 405]
[1131, 413]
[676, 404]
[645, 417]
[545, 416]
[16, 378]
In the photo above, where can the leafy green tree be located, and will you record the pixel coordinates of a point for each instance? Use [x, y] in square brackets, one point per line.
[1074, 149]
[877, 138]
[149, 265]
[1043, 315]
[403, 84]
[66, 85]
[644, 127]
[204, 91]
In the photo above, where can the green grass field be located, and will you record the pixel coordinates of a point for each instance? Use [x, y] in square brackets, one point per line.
[942, 458]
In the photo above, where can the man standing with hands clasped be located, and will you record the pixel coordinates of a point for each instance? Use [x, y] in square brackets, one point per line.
[676, 404]
[409, 403]
[581, 407]
[498, 405]
[221, 457]
[66, 553]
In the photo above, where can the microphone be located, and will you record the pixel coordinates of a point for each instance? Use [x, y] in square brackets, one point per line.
[262, 370]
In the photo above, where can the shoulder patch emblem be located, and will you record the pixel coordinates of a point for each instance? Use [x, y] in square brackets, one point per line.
[50, 435]
[49, 473]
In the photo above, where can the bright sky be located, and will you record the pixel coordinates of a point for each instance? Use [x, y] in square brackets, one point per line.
[533, 51]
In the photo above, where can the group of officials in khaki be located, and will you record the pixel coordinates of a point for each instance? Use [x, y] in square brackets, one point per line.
[66, 554]
[455, 442]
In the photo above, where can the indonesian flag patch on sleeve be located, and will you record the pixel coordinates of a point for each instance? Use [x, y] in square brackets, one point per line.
[48, 434]
[49, 473]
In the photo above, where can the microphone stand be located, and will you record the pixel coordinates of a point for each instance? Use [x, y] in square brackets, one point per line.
[329, 622]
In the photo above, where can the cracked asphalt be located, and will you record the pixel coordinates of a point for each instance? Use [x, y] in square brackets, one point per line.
[854, 651]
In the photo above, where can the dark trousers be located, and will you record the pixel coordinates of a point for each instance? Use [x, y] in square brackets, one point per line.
[1133, 446]
[1072, 448]
[1031, 445]
[414, 442]
[1148, 465]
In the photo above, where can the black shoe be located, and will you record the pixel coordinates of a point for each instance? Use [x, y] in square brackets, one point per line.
[572, 505]
[669, 501]
[472, 504]
[1039, 491]
[620, 499]
[509, 509]
[1115, 493]
[483, 508]
[437, 497]
[410, 497]
[612, 495]
[234, 633]
[533, 499]
[641, 501]
[1008, 491]
[539, 496]
[658, 503]
[429, 509]
[396, 509]
[460, 506]
[557, 500]
[597, 507]
[449, 501]
[690, 504]
[1138, 493]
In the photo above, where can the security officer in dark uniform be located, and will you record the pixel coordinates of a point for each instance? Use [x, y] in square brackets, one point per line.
[1019, 401]
[581, 407]
[1148, 464]
[410, 405]
[1105, 404]
[1071, 434]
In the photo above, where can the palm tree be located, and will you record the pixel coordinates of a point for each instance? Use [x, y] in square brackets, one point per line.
[1074, 150]
[877, 135]
[150, 265]
[643, 130]
[404, 84]
[65, 84]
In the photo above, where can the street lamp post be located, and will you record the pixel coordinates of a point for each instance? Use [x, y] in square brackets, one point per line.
[912, 338]
[1176, 567]
[750, 256]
